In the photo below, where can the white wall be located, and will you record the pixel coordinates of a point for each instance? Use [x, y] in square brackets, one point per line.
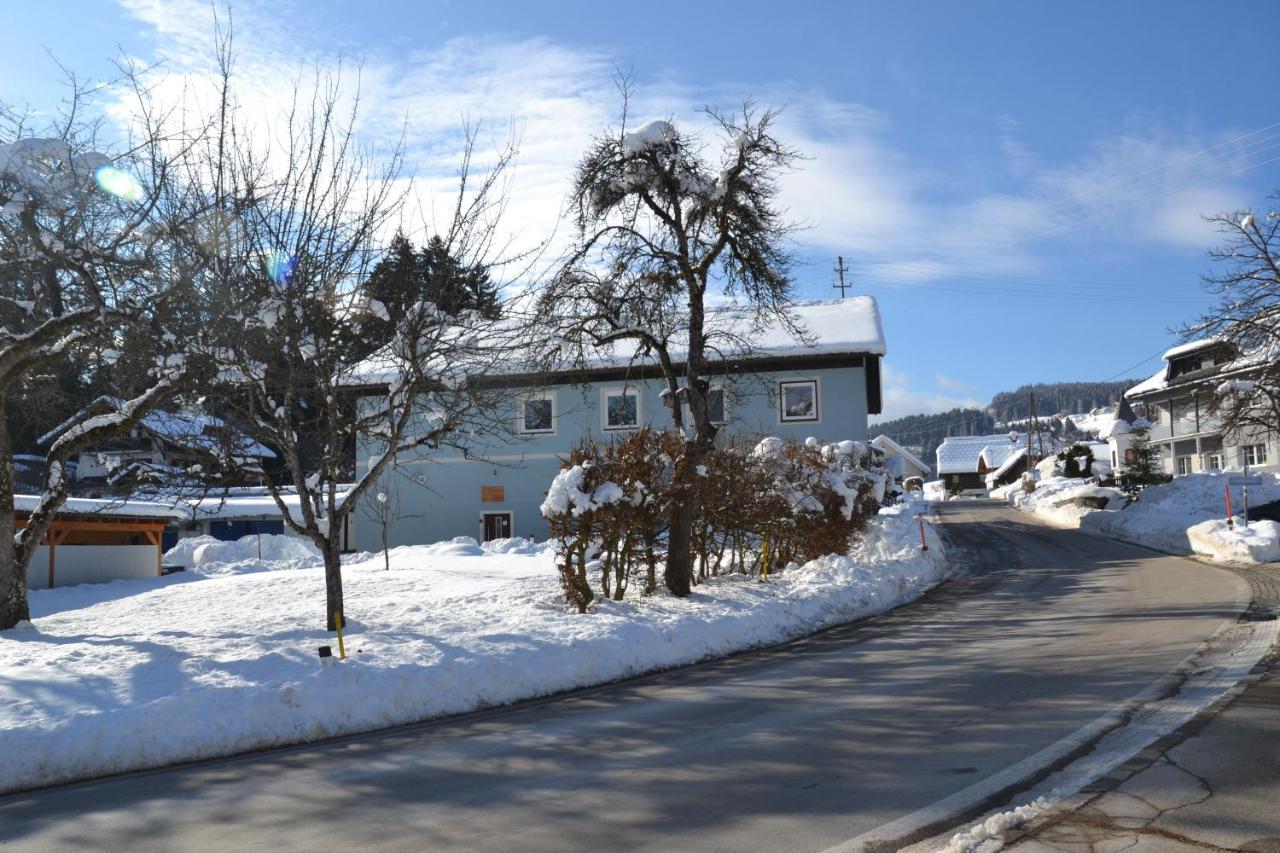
[77, 564]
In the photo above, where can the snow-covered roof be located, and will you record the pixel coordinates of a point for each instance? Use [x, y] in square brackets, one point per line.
[892, 448]
[1010, 460]
[110, 508]
[960, 454]
[994, 455]
[830, 326]
[1190, 347]
[245, 505]
[190, 426]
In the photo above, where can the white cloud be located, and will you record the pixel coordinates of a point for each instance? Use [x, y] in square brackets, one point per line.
[903, 396]
[896, 220]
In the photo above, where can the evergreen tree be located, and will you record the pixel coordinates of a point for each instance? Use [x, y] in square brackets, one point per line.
[1143, 466]
[453, 286]
[406, 275]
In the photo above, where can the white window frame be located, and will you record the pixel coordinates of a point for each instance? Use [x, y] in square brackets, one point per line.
[817, 401]
[619, 390]
[1257, 451]
[1213, 460]
[555, 413]
[714, 386]
[1178, 463]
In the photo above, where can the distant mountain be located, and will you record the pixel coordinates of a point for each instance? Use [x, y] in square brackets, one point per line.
[924, 433]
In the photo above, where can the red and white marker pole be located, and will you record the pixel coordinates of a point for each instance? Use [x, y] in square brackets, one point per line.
[924, 545]
[1230, 524]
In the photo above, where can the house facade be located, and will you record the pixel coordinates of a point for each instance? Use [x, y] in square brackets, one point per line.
[825, 387]
[965, 461]
[1177, 401]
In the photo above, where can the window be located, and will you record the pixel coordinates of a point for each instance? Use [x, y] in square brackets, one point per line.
[1184, 465]
[1254, 454]
[621, 408]
[1213, 461]
[538, 414]
[798, 401]
[715, 405]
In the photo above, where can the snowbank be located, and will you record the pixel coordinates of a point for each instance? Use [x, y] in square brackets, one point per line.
[207, 555]
[1064, 501]
[1163, 515]
[1184, 516]
[144, 673]
[1257, 543]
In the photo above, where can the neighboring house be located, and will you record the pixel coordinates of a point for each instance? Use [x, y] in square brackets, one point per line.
[94, 541]
[241, 512]
[823, 387]
[1012, 468]
[168, 441]
[965, 461]
[899, 461]
[1177, 402]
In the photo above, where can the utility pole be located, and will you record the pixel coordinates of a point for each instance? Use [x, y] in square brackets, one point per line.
[1031, 426]
[841, 269]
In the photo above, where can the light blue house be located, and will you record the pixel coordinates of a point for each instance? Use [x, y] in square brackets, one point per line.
[823, 386]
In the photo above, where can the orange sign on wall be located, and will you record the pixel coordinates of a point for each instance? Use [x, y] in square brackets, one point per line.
[493, 494]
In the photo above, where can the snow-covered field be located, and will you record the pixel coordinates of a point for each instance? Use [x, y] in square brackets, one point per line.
[1185, 516]
[222, 658]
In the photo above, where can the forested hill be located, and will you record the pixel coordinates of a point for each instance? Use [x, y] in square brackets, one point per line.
[1057, 398]
[926, 432]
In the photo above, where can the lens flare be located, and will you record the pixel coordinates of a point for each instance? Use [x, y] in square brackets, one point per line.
[280, 266]
[118, 183]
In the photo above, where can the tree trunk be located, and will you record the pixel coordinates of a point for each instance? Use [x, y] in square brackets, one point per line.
[13, 572]
[678, 574]
[333, 584]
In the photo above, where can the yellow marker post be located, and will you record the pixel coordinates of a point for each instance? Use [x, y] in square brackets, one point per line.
[342, 649]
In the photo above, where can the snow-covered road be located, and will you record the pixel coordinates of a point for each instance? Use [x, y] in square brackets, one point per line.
[801, 747]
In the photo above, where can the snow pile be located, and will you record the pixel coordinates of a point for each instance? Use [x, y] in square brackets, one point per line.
[1162, 515]
[1257, 543]
[988, 835]
[1184, 516]
[650, 135]
[144, 673]
[566, 494]
[935, 491]
[207, 555]
[1063, 500]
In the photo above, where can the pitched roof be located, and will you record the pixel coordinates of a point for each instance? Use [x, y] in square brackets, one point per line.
[829, 327]
[889, 446]
[960, 454]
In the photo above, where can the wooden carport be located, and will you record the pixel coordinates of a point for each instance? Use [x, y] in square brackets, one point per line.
[92, 529]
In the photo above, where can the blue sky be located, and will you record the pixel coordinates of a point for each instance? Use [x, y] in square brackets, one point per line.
[1019, 184]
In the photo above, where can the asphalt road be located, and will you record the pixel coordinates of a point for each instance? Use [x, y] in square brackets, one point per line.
[801, 747]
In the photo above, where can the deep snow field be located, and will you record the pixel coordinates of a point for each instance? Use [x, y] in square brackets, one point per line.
[1184, 516]
[222, 658]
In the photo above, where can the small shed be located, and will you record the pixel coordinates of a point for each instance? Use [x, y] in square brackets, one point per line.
[94, 541]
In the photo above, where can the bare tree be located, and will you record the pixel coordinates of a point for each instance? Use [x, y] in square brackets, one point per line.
[1247, 315]
[386, 511]
[308, 208]
[89, 251]
[662, 226]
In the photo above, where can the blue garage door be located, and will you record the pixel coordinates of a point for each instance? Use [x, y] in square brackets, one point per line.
[230, 530]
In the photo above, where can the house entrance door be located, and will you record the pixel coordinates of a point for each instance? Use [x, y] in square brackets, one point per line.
[497, 525]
